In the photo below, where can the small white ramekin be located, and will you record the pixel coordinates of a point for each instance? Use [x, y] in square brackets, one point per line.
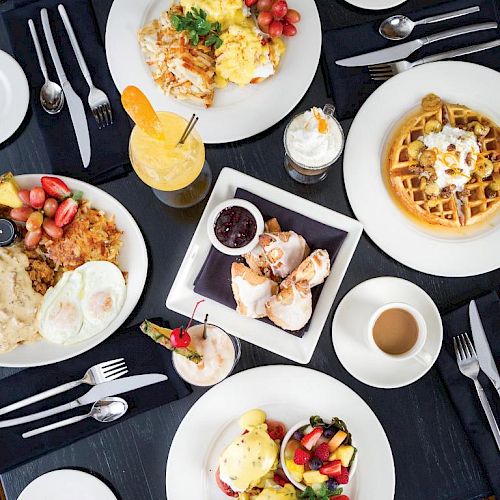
[235, 202]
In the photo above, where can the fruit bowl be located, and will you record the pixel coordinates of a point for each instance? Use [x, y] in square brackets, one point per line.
[317, 441]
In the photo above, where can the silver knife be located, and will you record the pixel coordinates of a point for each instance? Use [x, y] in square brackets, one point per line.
[403, 50]
[486, 361]
[75, 105]
[97, 392]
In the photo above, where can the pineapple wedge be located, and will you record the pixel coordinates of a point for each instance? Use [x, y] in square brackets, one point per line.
[162, 336]
[344, 453]
[314, 476]
[8, 191]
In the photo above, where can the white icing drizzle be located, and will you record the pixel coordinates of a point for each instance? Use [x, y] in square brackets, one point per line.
[252, 298]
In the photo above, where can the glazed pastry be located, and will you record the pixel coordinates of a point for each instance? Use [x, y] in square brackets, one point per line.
[251, 291]
[272, 226]
[291, 309]
[284, 251]
[315, 269]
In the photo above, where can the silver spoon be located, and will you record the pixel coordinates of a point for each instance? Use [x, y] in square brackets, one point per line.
[104, 410]
[51, 94]
[400, 27]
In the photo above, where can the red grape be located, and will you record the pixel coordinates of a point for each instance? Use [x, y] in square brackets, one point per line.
[21, 214]
[263, 5]
[279, 9]
[276, 29]
[32, 238]
[37, 197]
[34, 221]
[292, 16]
[50, 207]
[265, 18]
[289, 29]
[49, 226]
[24, 196]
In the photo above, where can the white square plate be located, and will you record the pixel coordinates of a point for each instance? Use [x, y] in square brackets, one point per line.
[182, 296]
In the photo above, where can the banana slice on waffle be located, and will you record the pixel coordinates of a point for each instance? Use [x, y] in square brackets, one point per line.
[443, 164]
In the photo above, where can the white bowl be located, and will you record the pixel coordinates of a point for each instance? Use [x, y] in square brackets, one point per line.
[287, 438]
[234, 202]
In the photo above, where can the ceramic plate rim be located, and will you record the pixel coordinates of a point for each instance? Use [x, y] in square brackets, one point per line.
[268, 372]
[397, 235]
[365, 5]
[140, 257]
[435, 310]
[19, 106]
[181, 295]
[125, 12]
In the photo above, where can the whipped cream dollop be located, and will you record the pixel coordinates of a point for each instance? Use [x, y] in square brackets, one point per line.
[454, 165]
[314, 139]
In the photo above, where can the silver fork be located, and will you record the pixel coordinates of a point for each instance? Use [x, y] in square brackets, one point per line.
[97, 374]
[469, 366]
[382, 72]
[98, 100]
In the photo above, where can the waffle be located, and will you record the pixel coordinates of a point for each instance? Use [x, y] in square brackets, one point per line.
[413, 178]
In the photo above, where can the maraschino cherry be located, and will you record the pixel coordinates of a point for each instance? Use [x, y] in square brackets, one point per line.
[179, 337]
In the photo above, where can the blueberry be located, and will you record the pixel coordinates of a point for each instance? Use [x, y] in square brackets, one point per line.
[332, 485]
[298, 435]
[315, 463]
[329, 432]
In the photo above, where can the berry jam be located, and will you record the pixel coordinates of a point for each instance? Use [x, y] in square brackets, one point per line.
[235, 227]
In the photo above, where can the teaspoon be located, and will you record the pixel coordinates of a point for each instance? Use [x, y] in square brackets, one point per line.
[51, 94]
[104, 410]
[400, 27]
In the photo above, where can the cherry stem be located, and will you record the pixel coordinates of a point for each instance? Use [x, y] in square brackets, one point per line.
[192, 316]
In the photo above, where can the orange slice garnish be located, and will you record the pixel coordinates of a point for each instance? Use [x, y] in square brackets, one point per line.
[139, 108]
[322, 122]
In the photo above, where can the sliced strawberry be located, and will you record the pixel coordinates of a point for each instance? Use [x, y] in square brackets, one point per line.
[275, 429]
[55, 187]
[66, 212]
[322, 451]
[301, 457]
[332, 469]
[280, 480]
[309, 440]
[339, 497]
[343, 477]
[223, 486]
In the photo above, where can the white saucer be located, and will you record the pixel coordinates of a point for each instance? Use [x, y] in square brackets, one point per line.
[14, 95]
[349, 332]
[375, 4]
[67, 484]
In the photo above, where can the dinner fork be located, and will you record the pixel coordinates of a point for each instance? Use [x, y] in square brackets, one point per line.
[382, 72]
[468, 364]
[97, 374]
[98, 100]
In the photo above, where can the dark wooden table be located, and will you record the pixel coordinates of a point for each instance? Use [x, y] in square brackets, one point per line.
[432, 455]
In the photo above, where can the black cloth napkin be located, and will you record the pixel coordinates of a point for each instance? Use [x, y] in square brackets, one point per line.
[461, 389]
[350, 87]
[142, 356]
[109, 145]
[214, 278]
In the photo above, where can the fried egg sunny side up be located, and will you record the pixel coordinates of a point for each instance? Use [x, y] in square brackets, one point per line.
[83, 303]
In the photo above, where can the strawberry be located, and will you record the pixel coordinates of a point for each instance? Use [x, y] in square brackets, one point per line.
[343, 477]
[333, 469]
[55, 187]
[280, 480]
[309, 440]
[322, 452]
[339, 497]
[301, 457]
[66, 212]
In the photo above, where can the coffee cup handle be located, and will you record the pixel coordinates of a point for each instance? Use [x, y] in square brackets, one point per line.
[424, 358]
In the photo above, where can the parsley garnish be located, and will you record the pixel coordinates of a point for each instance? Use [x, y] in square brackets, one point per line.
[322, 493]
[197, 26]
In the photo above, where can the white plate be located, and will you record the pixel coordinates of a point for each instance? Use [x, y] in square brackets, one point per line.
[182, 297]
[286, 393]
[387, 225]
[133, 259]
[375, 4]
[14, 95]
[349, 331]
[237, 113]
[65, 484]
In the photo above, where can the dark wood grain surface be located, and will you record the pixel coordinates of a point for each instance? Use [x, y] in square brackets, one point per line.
[433, 457]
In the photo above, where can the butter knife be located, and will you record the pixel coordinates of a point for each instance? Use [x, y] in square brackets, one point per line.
[486, 361]
[403, 50]
[75, 105]
[97, 392]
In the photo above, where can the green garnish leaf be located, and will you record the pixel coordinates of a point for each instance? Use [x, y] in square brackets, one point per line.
[197, 26]
[322, 493]
[316, 421]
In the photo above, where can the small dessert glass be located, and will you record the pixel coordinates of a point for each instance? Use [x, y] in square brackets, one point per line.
[306, 174]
